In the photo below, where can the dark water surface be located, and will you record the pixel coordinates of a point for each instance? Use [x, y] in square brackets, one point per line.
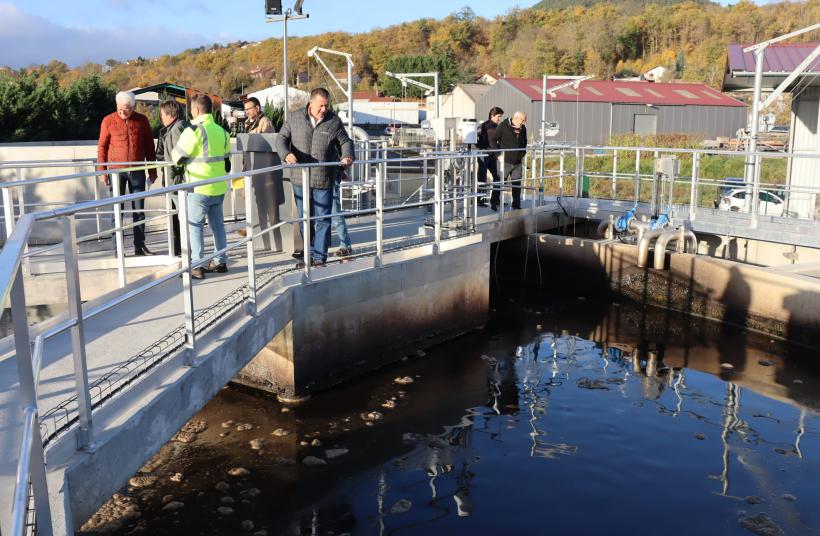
[577, 418]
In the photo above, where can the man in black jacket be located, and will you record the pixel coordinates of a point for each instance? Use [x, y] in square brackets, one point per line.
[511, 134]
[173, 123]
[488, 163]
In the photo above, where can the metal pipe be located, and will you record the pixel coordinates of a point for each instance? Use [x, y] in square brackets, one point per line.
[668, 237]
[187, 286]
[644, 243]
[249, 222]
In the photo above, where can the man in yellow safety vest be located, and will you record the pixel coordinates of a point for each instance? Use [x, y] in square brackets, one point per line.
[205, 150]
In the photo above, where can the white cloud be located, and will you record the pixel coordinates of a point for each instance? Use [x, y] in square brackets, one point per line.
[27, 39]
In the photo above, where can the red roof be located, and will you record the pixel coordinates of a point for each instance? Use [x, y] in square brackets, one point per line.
[778, 58]
[626, 92]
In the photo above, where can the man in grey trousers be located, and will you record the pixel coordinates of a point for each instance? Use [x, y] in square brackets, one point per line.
[314, 135]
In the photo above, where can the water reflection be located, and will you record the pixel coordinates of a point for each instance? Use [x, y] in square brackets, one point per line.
[519, 424]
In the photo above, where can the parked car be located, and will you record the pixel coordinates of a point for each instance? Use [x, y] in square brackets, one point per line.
[771, 204]
[389, 130]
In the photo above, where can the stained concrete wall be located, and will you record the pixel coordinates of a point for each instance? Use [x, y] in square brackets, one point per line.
[343, 327]
[771, 300]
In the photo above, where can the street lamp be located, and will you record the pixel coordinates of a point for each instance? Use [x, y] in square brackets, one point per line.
[274, 12]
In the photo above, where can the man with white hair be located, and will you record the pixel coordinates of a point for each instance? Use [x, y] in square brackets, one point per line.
[125, 136]
[510, 134]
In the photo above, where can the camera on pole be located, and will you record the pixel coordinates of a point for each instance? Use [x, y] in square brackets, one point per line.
[273, 7]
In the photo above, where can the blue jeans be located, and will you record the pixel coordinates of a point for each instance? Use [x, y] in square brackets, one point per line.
[200, 206]
[338, 221]
[131, 183]
[321, 204]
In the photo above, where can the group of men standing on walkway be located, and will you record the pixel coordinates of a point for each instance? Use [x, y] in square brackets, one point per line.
[200, 150]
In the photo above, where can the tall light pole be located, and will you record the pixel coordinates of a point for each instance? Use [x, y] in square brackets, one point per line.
[273, 10]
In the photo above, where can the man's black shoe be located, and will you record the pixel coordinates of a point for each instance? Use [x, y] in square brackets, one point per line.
[298, 254]
[494, 208]
[314, 263]
[142, 250]
[516, 207]
[482, 203]
[198, 273]
[220, 268]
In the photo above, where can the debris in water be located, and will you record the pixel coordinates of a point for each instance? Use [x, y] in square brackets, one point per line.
[700, 436]
[389, 404]
[227, 424]
[421, 353]
[539, 327]
[222, 486]
[256, 444]
[727, 366]
[238, 471]
[285, 410]
[280, 432]
[615, 381]
[313, 461]
[142, 481]
[335, 453]
[401, 506]
[753, 499]
[173, 505]
[226, 500]
[767, 362]
[371, 416]
[244, 426]
[761, 524]
[247, 525]
[183, 437]
[789, 497]
[797, 380]
[586, 383]
[195, 427]
[176, 477]
[224, 510]
[404, 380]
[281, 460]
[315, 443]
[250, 493]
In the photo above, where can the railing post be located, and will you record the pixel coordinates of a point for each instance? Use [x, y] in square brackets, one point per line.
[169, 222]
[466, 187]
[187, 286]
[637, 176]
[249, 223]
[425, 178]
[561, 167]
[756, 192]
[379, 223]
[307, 255]
[541, 184]
[615, 174]
[96, 180]
[437, 207]
[474, 190]
[693, 195]
[8, 210]
[502, 185]
[85, 432]
[578, 172]
[28, 399]
[118, 234]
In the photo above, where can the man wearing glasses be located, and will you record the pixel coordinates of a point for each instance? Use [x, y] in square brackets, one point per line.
[125, 136]
[257, 122]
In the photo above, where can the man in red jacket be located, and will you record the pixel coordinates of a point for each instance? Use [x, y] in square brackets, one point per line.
[125, 136]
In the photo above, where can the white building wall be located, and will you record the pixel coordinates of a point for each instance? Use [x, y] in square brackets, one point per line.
[457, 104]
[805, 138]
[383, 113]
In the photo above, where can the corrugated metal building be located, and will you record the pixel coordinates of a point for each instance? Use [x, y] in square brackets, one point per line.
[596, 110]
[779, 60]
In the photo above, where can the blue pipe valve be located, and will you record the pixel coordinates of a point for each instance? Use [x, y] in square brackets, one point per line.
[622, 223]
[659, 223]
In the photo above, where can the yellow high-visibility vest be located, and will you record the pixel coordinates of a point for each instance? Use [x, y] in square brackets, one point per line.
[203, 148]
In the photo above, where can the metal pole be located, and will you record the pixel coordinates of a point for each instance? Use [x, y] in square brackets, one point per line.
[637, 176]
[28, 399]
[753, 129]
[85, 432]
[614, 174]
[561, 174]
[437, 207]
[350, 97]
[577, 172]
[474, 190]
[435, 84]
[187, 286]
[249, 222]
[466, 187]
[756, 192]
[379, 222]
[118, 234]
[285, 63]
[169, 222]
[8, 210]
[307, 255]
[97, 210]
[502, 185]
[693, 196]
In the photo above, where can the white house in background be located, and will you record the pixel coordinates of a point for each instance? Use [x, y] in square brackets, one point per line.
[487, 78]
[461, 103]
[372, 109]
[275, 95]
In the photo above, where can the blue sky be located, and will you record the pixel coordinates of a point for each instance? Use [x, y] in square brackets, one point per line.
[76, 31]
